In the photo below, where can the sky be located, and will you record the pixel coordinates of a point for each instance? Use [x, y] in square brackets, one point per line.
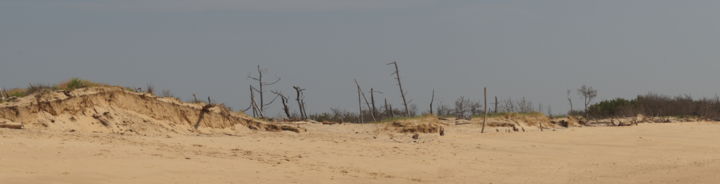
[537, 49]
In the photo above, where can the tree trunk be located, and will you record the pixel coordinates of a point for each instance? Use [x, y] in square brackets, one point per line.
[484, 106]
[402, 92]
[432, 100]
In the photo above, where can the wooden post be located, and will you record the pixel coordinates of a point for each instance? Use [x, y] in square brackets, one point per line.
[485, 106]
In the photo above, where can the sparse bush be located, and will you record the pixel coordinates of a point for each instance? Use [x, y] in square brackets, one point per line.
[166, 93]
[150, 89]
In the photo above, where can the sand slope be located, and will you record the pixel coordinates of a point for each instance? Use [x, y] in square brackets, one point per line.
[120, 111]
[648, 153]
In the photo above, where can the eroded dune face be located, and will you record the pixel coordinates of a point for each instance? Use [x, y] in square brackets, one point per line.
[117, 110]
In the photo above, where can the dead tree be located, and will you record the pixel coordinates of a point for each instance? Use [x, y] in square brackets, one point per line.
[372, 101]
[432, 100]
[509, 106]
[525, 105]
[402, 91]
[195, 100]
[261, 88]
[360, 109]
[569, 97]
[388, 109]
[496, 105]
[588, 94]
[252, 102]
[485, 110]
[284, 101]
[367, 103]
[460, 105]
[300, 97]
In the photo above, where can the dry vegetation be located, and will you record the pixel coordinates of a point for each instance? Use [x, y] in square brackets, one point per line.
[59, 134]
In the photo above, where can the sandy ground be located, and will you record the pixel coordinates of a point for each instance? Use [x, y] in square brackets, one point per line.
[648, 153]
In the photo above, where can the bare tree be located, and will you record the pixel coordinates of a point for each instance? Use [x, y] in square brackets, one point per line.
[588, 94]
[496, 105]
[525, 105]
[300, 97]
[432, 99]
[284, 101]
[484, 110]
[372, 100]
[195, 99]
[569, 97]
[475, 107]
[508, 105]
[253, 104]
[402, 91]
[360, 109]
[261, 88]
[460, 107]
[388, 109]
[362, 94]
[443, 110]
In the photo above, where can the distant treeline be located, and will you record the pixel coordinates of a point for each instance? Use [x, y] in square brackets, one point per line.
[657, 105]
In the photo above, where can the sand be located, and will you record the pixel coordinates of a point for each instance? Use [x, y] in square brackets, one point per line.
[647, 153]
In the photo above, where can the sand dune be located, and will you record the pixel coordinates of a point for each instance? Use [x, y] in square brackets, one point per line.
[112, 135]
[648, 153]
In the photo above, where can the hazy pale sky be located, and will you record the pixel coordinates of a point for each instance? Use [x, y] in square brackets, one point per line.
[532, 48]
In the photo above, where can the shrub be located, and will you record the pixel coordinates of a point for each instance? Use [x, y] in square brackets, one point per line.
[76, 83]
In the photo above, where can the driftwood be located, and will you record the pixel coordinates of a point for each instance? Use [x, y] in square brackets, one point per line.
[11, 126]
[102, 120]
[205, 109]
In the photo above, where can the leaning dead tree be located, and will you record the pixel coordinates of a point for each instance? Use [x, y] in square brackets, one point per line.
[300, 98]
[284, 101]
[372, 100]
[260, 89]
[402, 91]
[485, 111]
[253, 104]
[432, 100]
[361, 96]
